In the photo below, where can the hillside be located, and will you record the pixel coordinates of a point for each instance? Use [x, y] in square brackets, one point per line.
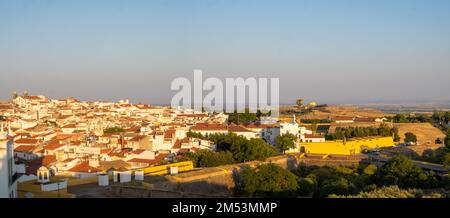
[333, 111]
[425, 132]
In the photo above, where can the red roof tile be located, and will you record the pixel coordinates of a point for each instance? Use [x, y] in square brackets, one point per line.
[26, 141]
[25, 148]
[84, 168]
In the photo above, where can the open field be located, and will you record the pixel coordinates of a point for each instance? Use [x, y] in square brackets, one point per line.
[333, 111]
[425, 132]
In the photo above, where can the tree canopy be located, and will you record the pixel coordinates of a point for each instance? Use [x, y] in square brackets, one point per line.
[353, 132]
[240, 148]
[114, 130]
[285, 142]
[267, 180]
[243, 118]
[410, 137]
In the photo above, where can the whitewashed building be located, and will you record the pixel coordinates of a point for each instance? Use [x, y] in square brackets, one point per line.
[8, 174]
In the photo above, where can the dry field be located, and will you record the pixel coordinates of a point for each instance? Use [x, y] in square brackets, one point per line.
[333, 111]
[425, 132]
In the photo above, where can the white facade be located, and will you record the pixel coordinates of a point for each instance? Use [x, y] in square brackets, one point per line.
[173, 170]
[8, 181]
[270, 134]
[139, 175]
[103, 179]
[122, 176]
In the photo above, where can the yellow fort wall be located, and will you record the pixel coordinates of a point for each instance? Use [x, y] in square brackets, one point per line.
[164, 169]
[347, 148]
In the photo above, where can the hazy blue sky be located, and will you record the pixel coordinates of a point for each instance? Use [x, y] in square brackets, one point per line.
[338, 51]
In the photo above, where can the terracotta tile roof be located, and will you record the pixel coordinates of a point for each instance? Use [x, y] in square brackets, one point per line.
[53, 145]
[183, 150]
[68, 160]
[169, 133]
[364, 119]
[133, 129]
[106, 151]
[138, 151]
[235, 128]
[343, 118]
[84, 168]
[177, 144]
[312, 136]
[34, 165]
[137, 138]
[194, 149]
[157, 159]
[115, 164]
[49, 159]
[25, 148]
[258, 126]
[71, 126]
[26, 141]
[33, 97]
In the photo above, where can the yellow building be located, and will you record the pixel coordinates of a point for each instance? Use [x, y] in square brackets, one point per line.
[344, 148]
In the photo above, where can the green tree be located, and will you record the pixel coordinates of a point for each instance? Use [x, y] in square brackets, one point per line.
[410, 137]
[401, 171]
[207, 158]
[243, 149]
[394, 132]
[189, 156]
[446, 161]
[242, 118]
[253, 149]
[267, 180]
[371, 169]
[384, 192]
[114, 130]
[399, 118]
[285, 142]
[195, 135]
[447, 140]
[340, 186]
[306, 186]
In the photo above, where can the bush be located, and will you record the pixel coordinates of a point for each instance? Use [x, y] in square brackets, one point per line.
[401, 171]
[339, 186]
[285, 142]
[113, 130]
[352, 132]
[243, 149]
[306, 186]
[268, 180]
[447, 140]
[446, 161]
[370, 170]
[410, 137]
[384, 192]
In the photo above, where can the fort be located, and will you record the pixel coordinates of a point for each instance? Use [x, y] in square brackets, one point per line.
[341, 147]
